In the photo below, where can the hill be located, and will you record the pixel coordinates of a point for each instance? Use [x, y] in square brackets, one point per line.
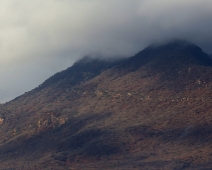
[149, 111]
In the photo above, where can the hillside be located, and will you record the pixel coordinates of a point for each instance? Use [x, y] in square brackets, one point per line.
[149, 111]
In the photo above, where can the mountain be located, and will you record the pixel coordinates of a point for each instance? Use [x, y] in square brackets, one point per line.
[149, 111]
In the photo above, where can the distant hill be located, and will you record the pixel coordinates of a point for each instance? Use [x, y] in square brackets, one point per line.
[149, 111]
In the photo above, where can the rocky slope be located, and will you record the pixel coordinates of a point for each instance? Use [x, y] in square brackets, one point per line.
[150, 111]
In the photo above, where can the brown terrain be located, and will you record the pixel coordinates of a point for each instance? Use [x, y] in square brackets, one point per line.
[151, 111]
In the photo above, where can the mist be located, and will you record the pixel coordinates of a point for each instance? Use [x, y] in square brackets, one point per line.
[39, 38]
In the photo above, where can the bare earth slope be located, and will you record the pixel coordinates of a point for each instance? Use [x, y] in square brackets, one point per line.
[151, 111]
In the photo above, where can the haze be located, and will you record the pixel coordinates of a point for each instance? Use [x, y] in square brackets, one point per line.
[39, 38]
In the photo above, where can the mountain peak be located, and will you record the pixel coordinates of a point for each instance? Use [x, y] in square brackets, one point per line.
[176, 44]
[176, 54]
[193, 51]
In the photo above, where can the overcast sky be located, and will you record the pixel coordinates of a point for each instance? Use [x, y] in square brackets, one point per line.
[39, 38]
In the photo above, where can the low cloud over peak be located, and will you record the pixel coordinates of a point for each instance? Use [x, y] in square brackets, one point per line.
[48, 36]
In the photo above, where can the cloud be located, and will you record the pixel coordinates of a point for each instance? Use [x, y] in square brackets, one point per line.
[39, 38]
[179, 19]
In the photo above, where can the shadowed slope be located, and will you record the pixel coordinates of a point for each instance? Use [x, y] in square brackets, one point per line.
[83, 70]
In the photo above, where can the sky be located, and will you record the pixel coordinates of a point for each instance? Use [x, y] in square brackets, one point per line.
[39, 38]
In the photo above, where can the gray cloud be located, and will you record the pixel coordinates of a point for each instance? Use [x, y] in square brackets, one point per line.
[39, 38]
